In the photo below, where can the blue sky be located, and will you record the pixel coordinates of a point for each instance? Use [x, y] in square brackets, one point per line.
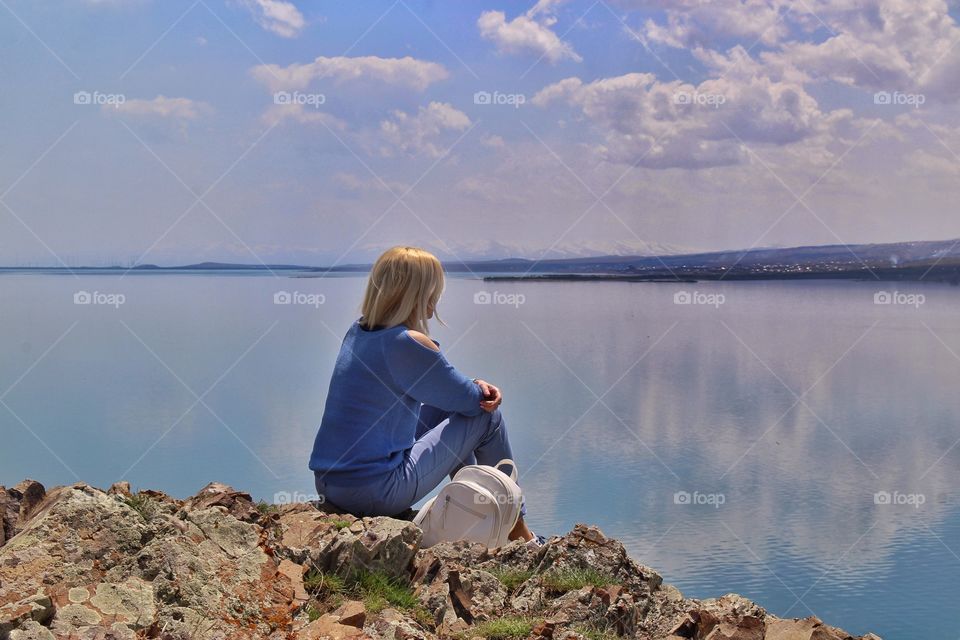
[644, 126]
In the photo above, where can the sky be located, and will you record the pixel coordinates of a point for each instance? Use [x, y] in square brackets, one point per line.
[275, 131]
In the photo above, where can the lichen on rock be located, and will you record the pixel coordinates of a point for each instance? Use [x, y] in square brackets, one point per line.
[77, 562]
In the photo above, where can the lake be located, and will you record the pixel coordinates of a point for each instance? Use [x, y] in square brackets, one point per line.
[792, 442]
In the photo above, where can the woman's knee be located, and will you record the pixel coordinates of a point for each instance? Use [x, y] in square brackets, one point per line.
[487, 420]
[492, 422]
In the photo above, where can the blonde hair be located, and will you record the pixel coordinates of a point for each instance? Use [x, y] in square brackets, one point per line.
[404, 287]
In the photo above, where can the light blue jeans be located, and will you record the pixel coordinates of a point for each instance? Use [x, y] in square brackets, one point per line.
[441, 448]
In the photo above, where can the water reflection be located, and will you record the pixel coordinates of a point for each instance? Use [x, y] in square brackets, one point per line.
[796, 403]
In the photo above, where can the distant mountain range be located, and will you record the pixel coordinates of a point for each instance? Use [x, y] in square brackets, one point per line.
[926, 260]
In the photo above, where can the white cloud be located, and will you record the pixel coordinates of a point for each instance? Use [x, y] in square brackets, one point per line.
[905, 45]
[277, 16]
[301, 114]
[162, 107]
[406, 72]
[544, 7]
[420, 133]
[425, 132]
[691, 23]
[672, 124]
[527, 33]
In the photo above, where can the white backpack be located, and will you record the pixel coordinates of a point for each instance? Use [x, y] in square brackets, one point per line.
[480, 504]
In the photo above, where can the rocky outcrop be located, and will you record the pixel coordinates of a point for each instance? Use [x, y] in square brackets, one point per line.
[17, 506]
[77, 562]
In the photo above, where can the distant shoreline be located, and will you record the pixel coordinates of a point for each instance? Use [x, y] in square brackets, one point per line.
[934, 261]
[949, 274]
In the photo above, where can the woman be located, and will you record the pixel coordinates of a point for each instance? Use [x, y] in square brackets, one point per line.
[385, 440]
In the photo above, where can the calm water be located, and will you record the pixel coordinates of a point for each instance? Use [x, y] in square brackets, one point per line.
[734, 447]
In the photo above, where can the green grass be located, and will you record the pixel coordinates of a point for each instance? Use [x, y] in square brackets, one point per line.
[593, 632]
[382, 590]
[142, 504]
[323, 584]
[376, 590]
[313, 613]
[339, 524]
[512, 578]
[266, 509]
[564, 580]
[508, 628]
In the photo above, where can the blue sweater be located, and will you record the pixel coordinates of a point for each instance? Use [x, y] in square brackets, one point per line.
[379, 381]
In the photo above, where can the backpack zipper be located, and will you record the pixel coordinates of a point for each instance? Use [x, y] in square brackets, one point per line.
[473, 512]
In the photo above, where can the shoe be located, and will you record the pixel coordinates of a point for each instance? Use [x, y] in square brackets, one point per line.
[536, 541]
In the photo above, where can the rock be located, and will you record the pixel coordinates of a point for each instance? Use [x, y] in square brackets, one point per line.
[353, 613]
[128, 606]
[543, 629]
[622, 614]
[731, 617]
[483, 595]
[455, 629]
[110, 571]
[91, 565]
[594, 607]
[342, 544]
[74, 537]
[327, 627]
[31, 631]
[216, 494]
[294, 573]
[120, 489]
[791, 629]
[159, 497]
[32, 493]
[514, 555]
[17, 505]
[450, 589]
[586, 547]
[304, 530]
[473, 554]
[811, 628]
[390, 624]
[384, 545]
[9, 509]
[38, 608]
[237, 539]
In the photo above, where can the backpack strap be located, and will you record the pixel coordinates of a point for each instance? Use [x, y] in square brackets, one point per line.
[513, 467]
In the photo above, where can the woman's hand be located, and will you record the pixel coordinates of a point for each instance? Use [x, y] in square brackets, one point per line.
[491, 396]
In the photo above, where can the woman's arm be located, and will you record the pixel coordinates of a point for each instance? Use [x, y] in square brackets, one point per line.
[418, 367]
